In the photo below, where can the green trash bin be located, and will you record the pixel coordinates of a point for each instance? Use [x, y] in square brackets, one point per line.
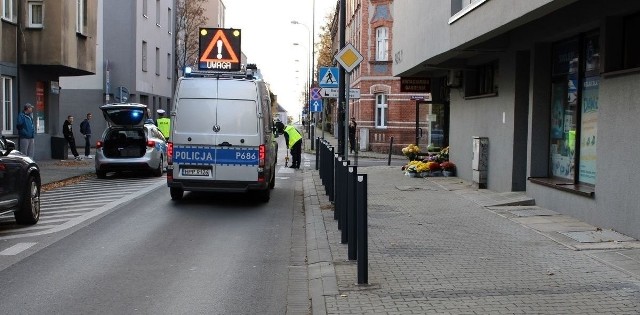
[59, 148]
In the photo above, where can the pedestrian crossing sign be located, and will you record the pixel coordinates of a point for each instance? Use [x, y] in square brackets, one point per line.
[329, 77]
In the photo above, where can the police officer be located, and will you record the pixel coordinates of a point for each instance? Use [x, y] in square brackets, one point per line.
[164, 124]
[293, 139]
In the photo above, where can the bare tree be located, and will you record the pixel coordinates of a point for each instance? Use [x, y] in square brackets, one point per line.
[189, 18]
[324, 47]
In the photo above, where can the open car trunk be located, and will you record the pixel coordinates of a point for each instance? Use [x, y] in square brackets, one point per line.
[129, 143]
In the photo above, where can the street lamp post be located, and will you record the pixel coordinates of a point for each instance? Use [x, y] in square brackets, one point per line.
[310, 84]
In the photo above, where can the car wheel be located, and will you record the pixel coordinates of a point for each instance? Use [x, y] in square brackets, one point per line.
[176, 193]
[264, 195]
[101, 174]
[29, 211]
[158, 171]
[272, 182]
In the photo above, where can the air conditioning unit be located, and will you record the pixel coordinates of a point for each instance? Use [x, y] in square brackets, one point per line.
[454, 78]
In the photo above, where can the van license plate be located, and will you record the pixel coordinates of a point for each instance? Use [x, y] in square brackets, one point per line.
[195, 172]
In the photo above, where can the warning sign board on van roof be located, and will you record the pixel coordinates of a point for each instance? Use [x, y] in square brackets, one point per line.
[219, 49]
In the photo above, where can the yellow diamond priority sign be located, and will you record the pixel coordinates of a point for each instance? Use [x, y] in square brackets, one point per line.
[349, 57]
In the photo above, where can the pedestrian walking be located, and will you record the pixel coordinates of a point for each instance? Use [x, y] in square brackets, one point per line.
[164, 124]
[293, 139]
[67, 132]
[352, 134]
[85, 130]
[26, 131]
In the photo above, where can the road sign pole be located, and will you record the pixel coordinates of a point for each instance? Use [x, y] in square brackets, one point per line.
[346, 117]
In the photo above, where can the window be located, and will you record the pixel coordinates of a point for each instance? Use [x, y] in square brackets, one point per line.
[81, 16]
[382, 110]
[36, 12]
[158, 12]
[574, 110]
[6, 97]
[145, 8]
[144, 56]
[169, 19]
[157, 61]
[168, 66]
[7, 10]
[482, 81]
[382, 44]
[622, 46]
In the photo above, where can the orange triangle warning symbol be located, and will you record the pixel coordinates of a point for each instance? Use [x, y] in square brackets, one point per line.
[224, 42]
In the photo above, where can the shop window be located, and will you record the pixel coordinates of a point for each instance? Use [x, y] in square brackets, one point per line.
[36, 17]
[6, 97]
[482, 81]
[574, 110]
[382, 110]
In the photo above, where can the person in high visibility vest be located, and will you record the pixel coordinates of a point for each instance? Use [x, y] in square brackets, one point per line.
[293, 139]
[164, 124]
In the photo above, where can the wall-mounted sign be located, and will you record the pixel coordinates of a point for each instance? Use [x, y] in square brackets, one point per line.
[219, 49]
[419, 85]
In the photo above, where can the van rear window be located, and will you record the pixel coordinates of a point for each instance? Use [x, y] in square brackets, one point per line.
[232, 116]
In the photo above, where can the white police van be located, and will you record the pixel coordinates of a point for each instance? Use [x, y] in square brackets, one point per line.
[221, 135]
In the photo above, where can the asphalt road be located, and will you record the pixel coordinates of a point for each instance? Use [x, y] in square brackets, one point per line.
[209, 253]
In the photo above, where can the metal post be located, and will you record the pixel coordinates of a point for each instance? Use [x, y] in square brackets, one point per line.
[343, 200]
[363, 247]
[351, 212]
[336, 193]
[331, 174]
[317, 140]
[390, 149]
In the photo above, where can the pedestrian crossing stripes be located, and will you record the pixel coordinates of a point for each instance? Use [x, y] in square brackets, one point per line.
[64, 207]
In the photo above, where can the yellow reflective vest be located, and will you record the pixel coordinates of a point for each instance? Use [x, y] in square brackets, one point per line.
[164, 124]
[293, 135]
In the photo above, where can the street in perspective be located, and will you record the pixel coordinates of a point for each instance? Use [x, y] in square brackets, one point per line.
[319, 157]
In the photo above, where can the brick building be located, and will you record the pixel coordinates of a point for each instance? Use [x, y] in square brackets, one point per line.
[382, 111]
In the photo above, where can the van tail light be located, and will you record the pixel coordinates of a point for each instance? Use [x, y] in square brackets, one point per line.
[99, 144]
[151, 143]
[170, 153]
[261, 155]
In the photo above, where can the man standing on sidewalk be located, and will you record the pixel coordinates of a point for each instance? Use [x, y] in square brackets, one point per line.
[26, 131]
[85, 130]
[293, 139]
[67, 131]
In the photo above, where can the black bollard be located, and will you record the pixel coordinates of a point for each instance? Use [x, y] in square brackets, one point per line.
[343, 201]
[351, 212]
[363, 247]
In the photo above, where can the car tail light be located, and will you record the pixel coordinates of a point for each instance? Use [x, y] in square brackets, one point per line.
[2, 167]
[151, 143]
[170, 153]
[261, 155]
[99, 144]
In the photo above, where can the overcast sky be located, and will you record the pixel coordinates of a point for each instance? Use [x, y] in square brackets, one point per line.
[268, 37]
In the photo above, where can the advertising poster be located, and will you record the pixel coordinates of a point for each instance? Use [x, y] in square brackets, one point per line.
[557, 112]
[39, 112]
[589, 131]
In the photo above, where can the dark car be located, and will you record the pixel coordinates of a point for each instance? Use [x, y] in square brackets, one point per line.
[130, 143]
[19, 184]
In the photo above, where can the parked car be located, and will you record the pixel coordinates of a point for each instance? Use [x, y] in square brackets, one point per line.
[130, 143]
[19, 184]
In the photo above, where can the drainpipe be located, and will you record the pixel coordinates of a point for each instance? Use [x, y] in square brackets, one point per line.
[18, 53]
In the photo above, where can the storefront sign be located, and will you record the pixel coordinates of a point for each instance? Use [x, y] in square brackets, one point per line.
[415, 85]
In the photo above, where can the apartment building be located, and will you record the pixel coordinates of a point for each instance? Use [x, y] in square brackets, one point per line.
[135, 60]
[551, 86]
[382, 111]
[41, 42]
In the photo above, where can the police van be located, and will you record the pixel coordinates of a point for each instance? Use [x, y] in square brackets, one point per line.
[221, 136]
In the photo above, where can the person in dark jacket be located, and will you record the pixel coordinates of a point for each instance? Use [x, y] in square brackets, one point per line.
[85, 130]
[352, 135]
[67, 132]
[293, 139]
[26, 131]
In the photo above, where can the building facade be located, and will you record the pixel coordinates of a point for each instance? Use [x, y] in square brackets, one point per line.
[552, 85]
[382, 111]
[41, 42]
[135, 61]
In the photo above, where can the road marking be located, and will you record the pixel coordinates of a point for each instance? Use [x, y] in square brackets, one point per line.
[16, 249]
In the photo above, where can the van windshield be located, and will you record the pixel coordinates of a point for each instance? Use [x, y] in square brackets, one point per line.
[233, 116]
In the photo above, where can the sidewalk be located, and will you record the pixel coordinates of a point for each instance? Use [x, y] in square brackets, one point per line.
[438, 246]
[53, 171]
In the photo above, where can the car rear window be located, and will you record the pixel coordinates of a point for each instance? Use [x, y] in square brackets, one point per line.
[125, 116]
